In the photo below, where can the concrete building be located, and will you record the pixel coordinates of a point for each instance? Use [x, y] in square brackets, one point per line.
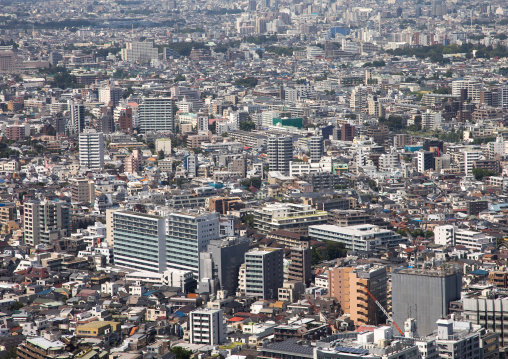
[164, 145]
[425, 161]
[470, 157]
[362, 237]
[139, 52]
[449, 235]
[301, 261]
[348, 284]
[139, 240]
[82, 190]
[110, 95]
[263, 273]
[91, 150]
[156, 115]
[280, 153]
[207, 326]
[316, 147]
[188, 234]
[45, 221]
[76, 123]
[133, 162]
[221, 262]
[457, 340]
[287, 216]
[424, 295]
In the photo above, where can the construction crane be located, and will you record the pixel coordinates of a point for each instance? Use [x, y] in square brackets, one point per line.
[388, 316]
[322, 315]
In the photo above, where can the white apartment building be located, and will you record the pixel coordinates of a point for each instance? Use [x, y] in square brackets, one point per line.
[364, 237]
[473, 89]
[388, 161]
[91, 149]
[264, 273]
[207, 326]
[139, 51]
[431, 120]
[163, 144]
[156, 115]
[469, 158]
[45, 221]
[450, 235]
[110, 94]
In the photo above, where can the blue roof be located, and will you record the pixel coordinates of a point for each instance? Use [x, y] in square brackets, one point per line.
[479, 272]
[44, 292]
[147, 294]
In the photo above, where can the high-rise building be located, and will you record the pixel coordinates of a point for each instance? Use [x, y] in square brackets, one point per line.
[316, 148]
[301, 262]
[55, 58]
[358, 99]
[470, 157]
[221, 261]
[425, 161]
[188, 234]
[280, 153]
[424, 295]
[139, 51]
[191, 164]
[125, 120]
[91, 150]
[110, 95]
[156, 115]
[106, 121]
[77, 117]
[348, 285]
[82, 190]
[347, 132]
[207, 326]
[132, 163]
[264, 273]
[45, 221]
[140, 241]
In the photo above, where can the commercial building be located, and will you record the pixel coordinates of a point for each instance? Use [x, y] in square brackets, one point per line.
[91, 149]
[188, 234]
[348, 285]
[207, 326]
[41, 348]
[450, 235]
[156, 115]
[362, 237]
[110, 95]
[424, 295]
[280, 153]
[263, 273]
[45, 221]
[140, 241]
[286, 216]
[425, 161]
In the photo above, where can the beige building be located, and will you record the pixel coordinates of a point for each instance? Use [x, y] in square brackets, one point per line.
[82, 190]
[348, 284]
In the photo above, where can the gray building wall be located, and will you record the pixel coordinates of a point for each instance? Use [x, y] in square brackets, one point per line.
[424, 295]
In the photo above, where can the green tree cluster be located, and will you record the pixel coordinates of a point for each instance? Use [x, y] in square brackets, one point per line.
[247, 82]
[480, 173]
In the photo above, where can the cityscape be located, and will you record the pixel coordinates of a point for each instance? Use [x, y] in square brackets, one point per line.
[254, 179]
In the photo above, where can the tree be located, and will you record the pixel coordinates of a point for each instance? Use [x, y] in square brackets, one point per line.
[179, 78]
[181, 353]
[248, 125]
[16, 306]
[11, 353]
[335, 250]
[161, 154]
[317, 256]
[248, 220]
[479, 173]
[247, 82]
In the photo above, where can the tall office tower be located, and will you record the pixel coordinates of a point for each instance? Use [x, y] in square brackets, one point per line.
[252, 5]
[348, 285]
[45, 221]
[280, 153]
[125, 120]
[190, 163]
[207, 326]
[139, 51]
[110, 95]
[140, 241]
[188, 234]
[424, 295]
[264, 273]
[316, 148]
[358, 99]
[82, 190]
[156, 114]
[77, 117]
[425, 161]
[301, 262]
[220, 264]
[91, 150]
